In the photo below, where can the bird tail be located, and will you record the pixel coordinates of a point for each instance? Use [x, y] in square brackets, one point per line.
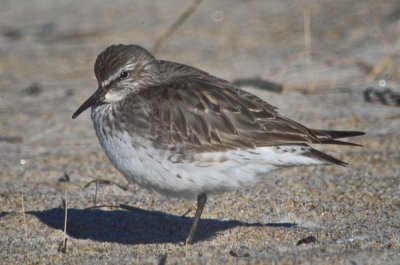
[329, 137]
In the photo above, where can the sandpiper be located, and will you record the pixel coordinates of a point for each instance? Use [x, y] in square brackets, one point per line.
[182, 132]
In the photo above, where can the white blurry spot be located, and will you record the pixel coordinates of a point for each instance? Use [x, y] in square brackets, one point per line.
[218, 16]
[22, 162]
[382, 83]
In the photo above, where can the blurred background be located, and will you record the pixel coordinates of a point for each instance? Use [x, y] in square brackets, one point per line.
[330, 64]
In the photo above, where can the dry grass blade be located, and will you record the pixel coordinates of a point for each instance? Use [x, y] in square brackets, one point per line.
[62, 247]
[307, 47]
[386, 62]
[176, 25]
[23, 215]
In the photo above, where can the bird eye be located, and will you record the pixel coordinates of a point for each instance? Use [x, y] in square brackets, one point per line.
[124, 74]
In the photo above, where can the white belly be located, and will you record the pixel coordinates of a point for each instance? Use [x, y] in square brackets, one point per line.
[152, 169]
[210, 173]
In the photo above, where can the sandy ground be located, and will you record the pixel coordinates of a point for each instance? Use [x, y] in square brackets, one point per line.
[350, 215]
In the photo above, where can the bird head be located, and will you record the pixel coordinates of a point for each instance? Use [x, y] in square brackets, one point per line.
[120, 71]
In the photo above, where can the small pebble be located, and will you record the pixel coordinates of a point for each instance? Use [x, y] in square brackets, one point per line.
[34, 89]
[306, 240]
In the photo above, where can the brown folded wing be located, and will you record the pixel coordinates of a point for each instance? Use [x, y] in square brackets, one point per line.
[209, 114]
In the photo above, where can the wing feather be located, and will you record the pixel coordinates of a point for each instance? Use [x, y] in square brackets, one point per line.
[193, 109]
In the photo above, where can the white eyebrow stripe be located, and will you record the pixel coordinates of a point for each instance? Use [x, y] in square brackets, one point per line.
[127, 67]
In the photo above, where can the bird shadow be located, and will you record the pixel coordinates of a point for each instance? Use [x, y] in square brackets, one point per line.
[136, 226]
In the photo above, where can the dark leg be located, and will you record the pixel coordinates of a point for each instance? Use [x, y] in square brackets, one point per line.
[201, 202]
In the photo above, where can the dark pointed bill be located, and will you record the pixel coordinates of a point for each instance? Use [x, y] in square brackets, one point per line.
[95, 98]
